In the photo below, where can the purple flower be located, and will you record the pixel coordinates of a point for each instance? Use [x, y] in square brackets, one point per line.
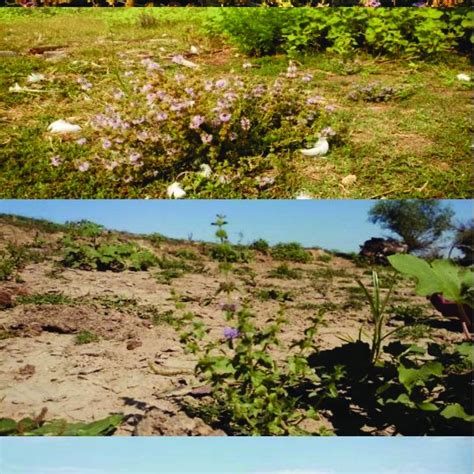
[84, 83]
[106, 144]
[84, 166]
[224, 117]
[189, 91]
[221, 83]
[419, 4]
[231, 96]
[118, 95]
[231, 333]
[372, 3]
[152, 66]
[330, 108]
[259, 90]
[196, 122]
[146, 88]
[178, 77]
[56, 160]
[178, 59]
[159, 117]
[307, 78]
[134, 157]
[328, 132]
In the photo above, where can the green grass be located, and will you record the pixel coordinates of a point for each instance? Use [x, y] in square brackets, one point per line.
[46, 299]
[85, 337]
[417, 147]
[285, 272]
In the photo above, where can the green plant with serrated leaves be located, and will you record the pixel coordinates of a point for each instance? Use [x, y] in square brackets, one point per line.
[253, 392]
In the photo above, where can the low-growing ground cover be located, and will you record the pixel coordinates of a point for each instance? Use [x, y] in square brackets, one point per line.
[169, 106]
[219, 336]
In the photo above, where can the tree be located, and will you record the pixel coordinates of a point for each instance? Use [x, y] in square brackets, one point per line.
[464, 242]
[420, 223]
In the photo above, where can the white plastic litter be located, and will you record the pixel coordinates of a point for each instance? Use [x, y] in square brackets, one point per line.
[36, 77]
[206, 171]
[175, 191]
[463, 77]
[320, 148]
[61, 126]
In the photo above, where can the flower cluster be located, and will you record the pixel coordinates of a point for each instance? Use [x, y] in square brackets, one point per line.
[162, 124]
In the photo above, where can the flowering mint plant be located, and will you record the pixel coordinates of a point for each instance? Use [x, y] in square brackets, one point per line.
[166, 125]
[254, 391]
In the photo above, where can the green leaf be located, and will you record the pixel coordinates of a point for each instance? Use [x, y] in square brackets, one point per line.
[102, 427]
[442, 276]
[428, 406]
[427, 280]
[403, 399]
[455, 410]
[411, 377]
[7, 426]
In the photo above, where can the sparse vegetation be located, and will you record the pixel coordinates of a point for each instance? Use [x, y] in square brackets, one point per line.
[380, 366]
[293, 252]
[86, 337]
[285, 272]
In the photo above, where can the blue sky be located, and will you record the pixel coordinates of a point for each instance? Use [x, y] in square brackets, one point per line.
[339, 224]
[297, 455]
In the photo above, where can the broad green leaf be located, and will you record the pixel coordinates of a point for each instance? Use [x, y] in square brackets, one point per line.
[102, 427]
[442, 276]
[7, 426]
[449, 276]
[428, 406]
[427, 280]
[455, 410]
[411, 377]
[403, 399]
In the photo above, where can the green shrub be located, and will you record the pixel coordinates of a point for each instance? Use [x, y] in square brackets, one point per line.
[14, 257]
[284, 271]
[324, 258]
[156, 238]
[275, 294]
[399, 31]
[113, 256]
[7, 267]
[291, 251]
[261, 246]
[186, 254]
[229, 253]
[255, 31]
